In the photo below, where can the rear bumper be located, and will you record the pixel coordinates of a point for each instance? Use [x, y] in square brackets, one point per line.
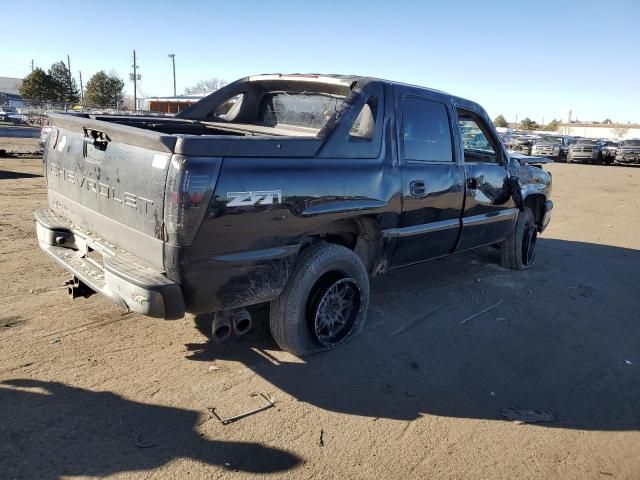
[554, 155]
[106, 269]
[584, 156]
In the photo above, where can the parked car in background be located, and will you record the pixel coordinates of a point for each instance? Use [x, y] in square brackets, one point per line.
[628, 152]
[521, 144]
[587, 150]
[5, 112]
[550, 146]
[10, 114]
[610, 150]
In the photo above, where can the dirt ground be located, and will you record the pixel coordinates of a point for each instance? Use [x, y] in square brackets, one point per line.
[87, 391]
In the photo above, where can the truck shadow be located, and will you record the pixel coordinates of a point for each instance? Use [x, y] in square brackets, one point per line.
[89, 433]
[9, 175]
[565, 341]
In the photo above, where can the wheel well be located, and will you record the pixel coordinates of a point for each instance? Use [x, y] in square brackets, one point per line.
[362, 235]
[340, 232]
[536, 204]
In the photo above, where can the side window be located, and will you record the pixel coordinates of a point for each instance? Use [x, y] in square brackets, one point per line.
[364, 125]
[426, 134]
[229, 109]
[476, 140]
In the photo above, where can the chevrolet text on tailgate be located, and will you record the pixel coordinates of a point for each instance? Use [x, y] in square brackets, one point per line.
[288, 189]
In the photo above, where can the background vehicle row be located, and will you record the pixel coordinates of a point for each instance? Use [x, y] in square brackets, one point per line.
[562, 148]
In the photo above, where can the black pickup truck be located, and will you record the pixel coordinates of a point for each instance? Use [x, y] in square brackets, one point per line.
[288, 189]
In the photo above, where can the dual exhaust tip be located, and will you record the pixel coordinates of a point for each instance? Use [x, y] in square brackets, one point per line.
[227, 322]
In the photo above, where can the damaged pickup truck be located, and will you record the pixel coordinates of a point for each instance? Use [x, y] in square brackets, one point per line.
[288, 189]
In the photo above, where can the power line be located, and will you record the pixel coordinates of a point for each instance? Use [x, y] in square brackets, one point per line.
[16, 63]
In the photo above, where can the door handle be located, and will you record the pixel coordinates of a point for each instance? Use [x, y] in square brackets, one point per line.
[418, 188]
[472, 183]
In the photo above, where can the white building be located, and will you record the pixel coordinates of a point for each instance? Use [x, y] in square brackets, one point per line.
[169, 104]
[9, 92]
[600, 130]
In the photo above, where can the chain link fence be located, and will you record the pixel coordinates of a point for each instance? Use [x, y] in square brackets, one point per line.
[20, 127]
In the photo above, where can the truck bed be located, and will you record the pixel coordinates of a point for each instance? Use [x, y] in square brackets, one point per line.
[190, 137]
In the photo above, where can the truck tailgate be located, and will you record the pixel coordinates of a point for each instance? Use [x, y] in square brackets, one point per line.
[110, 180]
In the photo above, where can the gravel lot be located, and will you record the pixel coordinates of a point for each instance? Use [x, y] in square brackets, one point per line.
[87, 391]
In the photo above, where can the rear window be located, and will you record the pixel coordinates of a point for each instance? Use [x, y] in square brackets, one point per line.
[299, 109]
[586, 142]
[632, 143]
[425, 130]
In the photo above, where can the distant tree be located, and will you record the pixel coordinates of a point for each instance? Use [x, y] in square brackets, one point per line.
[552, 126]
[500, 121]
[37, 87]
[528, 124]
[64, 87]
[104, 90]
[620, 131]
[206, 86]
[607, 121]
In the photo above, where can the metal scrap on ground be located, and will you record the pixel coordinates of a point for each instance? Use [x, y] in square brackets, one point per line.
[482, 311]
[226, 421]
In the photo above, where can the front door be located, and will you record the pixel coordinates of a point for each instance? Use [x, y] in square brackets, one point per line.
[433, 182]
[489, 208]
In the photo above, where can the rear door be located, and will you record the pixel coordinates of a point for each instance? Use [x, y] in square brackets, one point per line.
[432, 181]
[489, 208]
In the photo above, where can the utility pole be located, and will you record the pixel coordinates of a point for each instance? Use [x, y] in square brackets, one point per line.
[32, 64]
[172, 56]
[135, 78]
[81, 91]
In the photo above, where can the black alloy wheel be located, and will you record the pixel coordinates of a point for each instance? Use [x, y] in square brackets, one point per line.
[333, 307]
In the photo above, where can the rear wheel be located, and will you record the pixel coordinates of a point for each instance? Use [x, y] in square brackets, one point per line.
[518, 251]
[324, 303]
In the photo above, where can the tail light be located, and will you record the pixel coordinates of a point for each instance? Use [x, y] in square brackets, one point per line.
[190, 184]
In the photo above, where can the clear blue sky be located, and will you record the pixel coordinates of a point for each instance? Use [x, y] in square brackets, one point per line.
[537, 59]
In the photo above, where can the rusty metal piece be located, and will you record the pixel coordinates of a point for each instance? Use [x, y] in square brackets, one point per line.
[226, 421]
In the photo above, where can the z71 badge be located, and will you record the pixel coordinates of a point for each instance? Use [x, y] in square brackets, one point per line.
[248, 199]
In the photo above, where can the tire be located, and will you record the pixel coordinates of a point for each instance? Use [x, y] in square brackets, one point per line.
[298, 317]
[517, 252]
